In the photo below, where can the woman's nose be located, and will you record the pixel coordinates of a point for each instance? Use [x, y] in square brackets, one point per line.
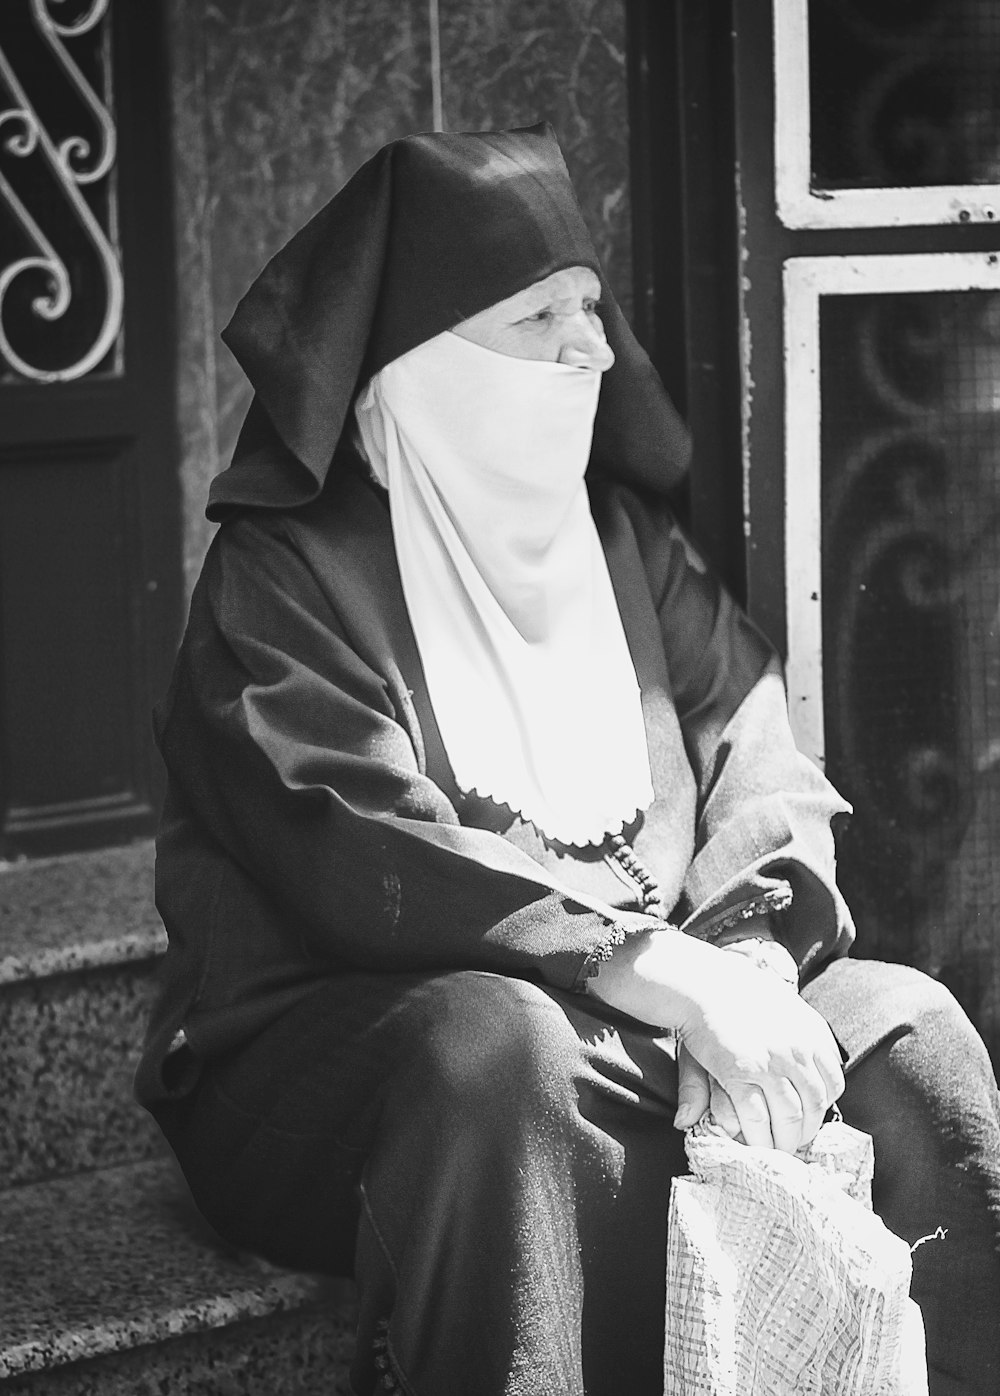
[586, 347]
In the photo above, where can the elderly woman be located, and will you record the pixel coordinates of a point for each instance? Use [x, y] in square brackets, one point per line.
[488, 862]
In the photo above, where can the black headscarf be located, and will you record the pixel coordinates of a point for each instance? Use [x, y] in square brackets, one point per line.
[432, 230]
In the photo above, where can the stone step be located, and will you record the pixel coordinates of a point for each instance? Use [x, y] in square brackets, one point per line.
[110, 1284]
[79, 942]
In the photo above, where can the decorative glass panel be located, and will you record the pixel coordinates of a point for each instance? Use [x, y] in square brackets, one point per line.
[60, 278]
[887, 112]
[904, 92]
[910, 506]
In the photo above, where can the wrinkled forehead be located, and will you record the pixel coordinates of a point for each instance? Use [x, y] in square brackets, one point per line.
[568, 284]
[562, 292]
[475, 219]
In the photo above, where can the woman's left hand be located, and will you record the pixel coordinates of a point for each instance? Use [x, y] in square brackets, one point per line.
[698, 1092]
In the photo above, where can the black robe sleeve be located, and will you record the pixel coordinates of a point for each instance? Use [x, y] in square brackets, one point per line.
[764, 838]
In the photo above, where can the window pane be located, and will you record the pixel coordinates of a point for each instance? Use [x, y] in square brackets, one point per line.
[904, 92]
[911, 588]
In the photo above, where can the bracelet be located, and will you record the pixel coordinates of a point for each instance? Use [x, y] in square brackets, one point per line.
[769, 955]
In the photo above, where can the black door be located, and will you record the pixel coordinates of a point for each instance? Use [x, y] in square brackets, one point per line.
[89, 522]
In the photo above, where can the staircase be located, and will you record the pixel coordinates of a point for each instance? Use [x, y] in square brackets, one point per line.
[110, 1282]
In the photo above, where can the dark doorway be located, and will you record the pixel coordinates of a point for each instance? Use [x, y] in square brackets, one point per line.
[89, 520]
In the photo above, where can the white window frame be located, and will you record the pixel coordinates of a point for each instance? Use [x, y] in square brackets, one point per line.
[799, 204]
[806, 280]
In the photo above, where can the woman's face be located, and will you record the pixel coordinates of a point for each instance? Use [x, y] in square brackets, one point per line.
[556, 319]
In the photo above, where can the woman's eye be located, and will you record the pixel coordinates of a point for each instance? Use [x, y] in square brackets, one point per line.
[593, 307]
[539, 317]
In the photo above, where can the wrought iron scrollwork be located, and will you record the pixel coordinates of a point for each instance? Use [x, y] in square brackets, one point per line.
[912, 601]
[895, 574]
[905, 93]
[73, 162]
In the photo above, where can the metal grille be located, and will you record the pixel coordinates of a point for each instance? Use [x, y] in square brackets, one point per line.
[911, 622]
[904, 92]
[61, 295]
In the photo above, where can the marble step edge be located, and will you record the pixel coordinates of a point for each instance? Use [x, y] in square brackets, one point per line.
[282, 1295]
[77, 912]
[129, 947]
[223, 1287]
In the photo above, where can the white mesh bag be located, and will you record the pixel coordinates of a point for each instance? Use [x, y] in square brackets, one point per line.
[781, 1280]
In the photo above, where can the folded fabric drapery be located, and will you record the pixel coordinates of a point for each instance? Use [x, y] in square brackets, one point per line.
[781, 1280]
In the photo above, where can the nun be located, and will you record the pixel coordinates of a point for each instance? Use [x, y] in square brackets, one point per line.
[488, 862]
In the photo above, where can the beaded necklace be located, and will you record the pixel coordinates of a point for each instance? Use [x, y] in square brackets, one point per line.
[627, 859]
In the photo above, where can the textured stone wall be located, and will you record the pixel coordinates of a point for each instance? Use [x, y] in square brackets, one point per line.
[277, 103]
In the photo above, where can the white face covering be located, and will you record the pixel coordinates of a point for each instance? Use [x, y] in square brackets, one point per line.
[506, 584]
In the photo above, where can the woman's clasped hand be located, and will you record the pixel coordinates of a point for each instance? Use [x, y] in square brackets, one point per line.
[749, 1048]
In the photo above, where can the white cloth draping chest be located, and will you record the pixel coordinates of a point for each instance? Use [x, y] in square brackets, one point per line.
[506, 584]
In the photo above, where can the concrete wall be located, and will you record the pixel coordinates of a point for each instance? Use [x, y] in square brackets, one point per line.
[276, 103]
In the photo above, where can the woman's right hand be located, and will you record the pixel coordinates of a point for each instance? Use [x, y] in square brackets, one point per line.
[773, 1055]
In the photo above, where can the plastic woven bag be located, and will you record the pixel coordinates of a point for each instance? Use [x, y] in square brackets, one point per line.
[781, 1280]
